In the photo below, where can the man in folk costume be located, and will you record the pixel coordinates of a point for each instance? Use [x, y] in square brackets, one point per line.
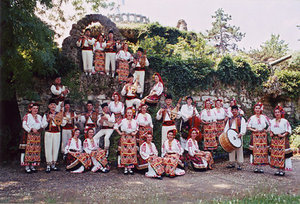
[90, 117]
[149, 153]
[259, 124]
[106, 121]
[238, 123]
[129, 91]
[117, 107]
[221, 117]
[280, 150]
[52, 136]
[86, 43]
[68, 125]
[139, 65]
[110, 53]
[124, 58]
[32, 125]
[187, 112]
[59, 92]
[165, 114]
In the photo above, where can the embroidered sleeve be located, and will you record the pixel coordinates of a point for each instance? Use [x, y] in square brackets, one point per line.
[143, 153]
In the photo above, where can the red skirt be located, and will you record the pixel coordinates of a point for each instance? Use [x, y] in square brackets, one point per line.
[280, 150]
[209, 137]
[198, 163]
[259, 147]
[171, 162]
[33, 149]
[142, 134]
[100, 156]
[153, 99]
[157, 164]
[99, 61]
[118, 117]
[128, 150]
[220, 125]
[123, 71]
[76, 158]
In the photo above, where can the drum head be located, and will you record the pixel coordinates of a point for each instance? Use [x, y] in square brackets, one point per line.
[233, 138]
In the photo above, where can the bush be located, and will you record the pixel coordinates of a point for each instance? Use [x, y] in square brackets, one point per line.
[295, 138]
[290, 82]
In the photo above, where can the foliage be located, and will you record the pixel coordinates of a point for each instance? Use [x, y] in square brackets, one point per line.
[294, 63]
[270, 50]
[223, 33]
[290, 82]
[295, 138]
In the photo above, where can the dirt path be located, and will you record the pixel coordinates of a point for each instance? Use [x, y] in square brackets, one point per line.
[114, 187]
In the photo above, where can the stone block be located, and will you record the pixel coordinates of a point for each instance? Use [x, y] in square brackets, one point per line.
[101, 97]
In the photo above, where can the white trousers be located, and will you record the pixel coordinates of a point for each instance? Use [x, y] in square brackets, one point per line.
[65, 136]
[106, 133]
[110, 58]
[87, 59]
[132, 102]
[237, 155]
[52, 142]
[141, 75]
[164, 132]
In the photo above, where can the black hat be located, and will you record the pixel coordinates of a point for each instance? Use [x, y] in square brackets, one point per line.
[169, 96]
[67, 102]
[111, 31]
[103, 105]
[51, 101]
[140, 49]
[89, 102]
[87, 30]
[130, 75]
[234, 107]
[190, 97]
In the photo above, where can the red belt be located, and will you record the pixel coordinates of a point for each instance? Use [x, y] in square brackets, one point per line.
[91, 125]
[140, 69]
[68, 127]
[130, 97]
[110, 52]
[87, 48]
[107, 127]
[168, 123]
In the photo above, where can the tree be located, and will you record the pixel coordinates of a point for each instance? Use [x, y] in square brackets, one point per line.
[27, 51]
[270, 50]
[223, 34]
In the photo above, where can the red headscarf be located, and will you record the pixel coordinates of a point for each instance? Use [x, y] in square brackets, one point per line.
[100, 34]
[261, 107]
[234, 102]
[133, 112]
[116, 93]
[209, 103]
[174, 132]
[278, 107]
[159, 77]
[217, 101]
[87, 132]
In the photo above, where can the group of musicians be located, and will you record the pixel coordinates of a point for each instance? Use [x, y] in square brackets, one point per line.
[211, 127]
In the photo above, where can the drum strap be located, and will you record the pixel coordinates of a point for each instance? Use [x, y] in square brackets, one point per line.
[237, 122]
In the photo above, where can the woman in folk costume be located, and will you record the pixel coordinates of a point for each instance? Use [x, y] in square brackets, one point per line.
[281, 152]
[208, 119]
[127, 145]
[145, 124]
[100, 54]
[199, 159]
[234, 103]
[172, 152]
[117, 107]
[258, 125]
[32, 124]
[149, 153]
[221, 117]
[98, 155]
[156, 91]
[77, 161]
[124, 58]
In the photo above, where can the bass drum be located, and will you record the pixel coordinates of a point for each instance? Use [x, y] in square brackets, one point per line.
[229, 140]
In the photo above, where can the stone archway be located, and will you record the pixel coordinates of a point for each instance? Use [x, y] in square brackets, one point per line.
[69, 48]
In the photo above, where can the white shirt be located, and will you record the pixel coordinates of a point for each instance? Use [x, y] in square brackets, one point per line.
[68, 119]
[146, 150]
[144, 119]
[167, 115]
[208, 115]
[83, 120]
[187, 111]
[139, 65]
[99, 46]
[280, 127]
[87, 43]
[258, 123]
[73, 145]
[122, 55]
[110, 118]
[158, 88]
[127, 126]
[116, 108]
[30, 123]
[233, 126]
[192, 147]
[229, 113]
[45, 122]
[128, 92]
[174, 148]
[89, 146]
[59, 91]
[220, 113]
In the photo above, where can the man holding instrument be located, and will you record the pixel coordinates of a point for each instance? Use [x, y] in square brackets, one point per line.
[129, 91]
[59, 92]
[90, 117]
[237, 123]
[168, 118]
[52, 136]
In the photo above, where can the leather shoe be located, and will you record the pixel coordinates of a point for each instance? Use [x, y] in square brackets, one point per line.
[239, 168]
[230, 166]
[48, 169]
